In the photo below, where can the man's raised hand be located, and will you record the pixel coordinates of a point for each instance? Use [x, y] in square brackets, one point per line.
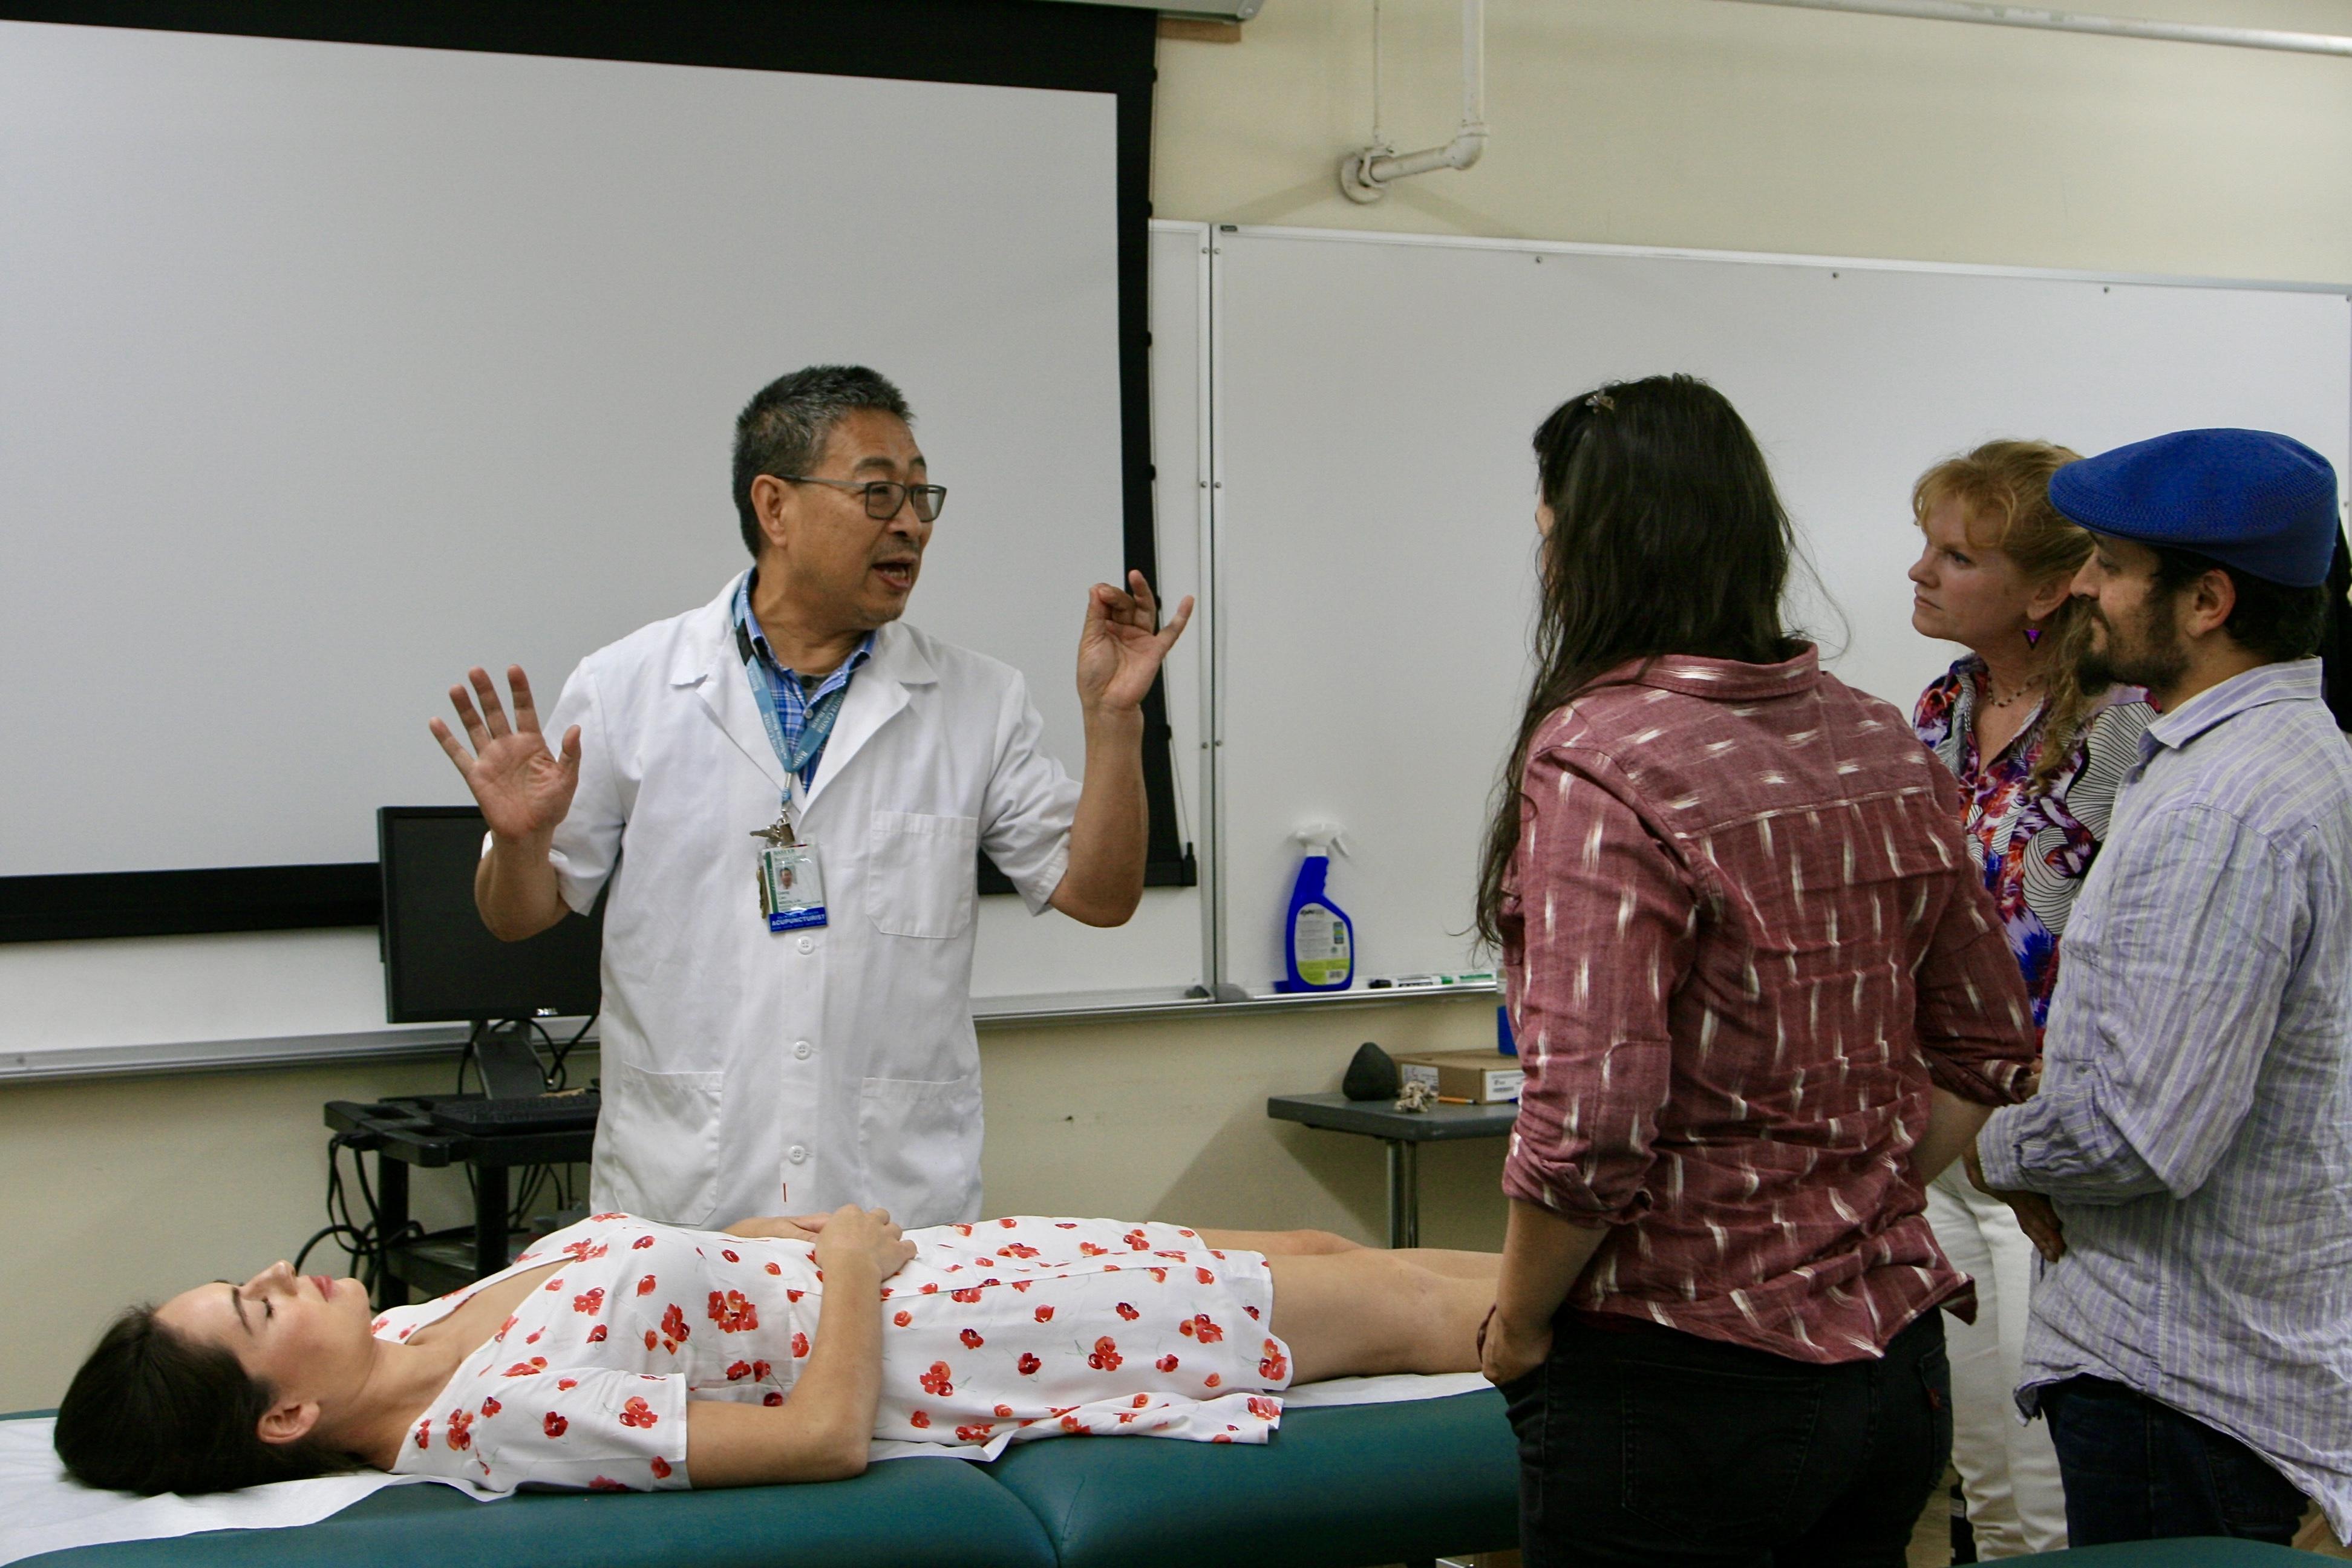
[1122, 644]
[522, 788]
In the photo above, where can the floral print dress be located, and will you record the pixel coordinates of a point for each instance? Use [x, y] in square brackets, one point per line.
[995, 1332]
[2033, 847]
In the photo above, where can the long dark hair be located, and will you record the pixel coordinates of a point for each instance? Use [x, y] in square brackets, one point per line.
[1667, 537]
[153, 1412]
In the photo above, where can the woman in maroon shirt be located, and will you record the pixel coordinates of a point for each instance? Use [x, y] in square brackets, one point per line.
[1760, 1001]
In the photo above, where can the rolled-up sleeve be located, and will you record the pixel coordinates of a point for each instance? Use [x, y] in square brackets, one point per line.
[1605, 920]
[2162, 1024]
[1974, 1017]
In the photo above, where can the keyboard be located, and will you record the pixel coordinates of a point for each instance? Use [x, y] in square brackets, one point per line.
[560, 1112]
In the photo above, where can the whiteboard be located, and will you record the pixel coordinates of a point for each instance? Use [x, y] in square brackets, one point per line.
[327, 369]
[1375, 540]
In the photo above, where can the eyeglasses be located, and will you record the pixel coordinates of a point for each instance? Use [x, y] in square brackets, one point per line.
[884, 497]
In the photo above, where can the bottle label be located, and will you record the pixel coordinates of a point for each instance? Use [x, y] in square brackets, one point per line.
[1320, 940]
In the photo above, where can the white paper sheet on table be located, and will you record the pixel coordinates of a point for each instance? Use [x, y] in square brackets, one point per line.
[42, 1510]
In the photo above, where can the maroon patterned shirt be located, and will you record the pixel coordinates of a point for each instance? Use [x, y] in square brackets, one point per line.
[1741, 937]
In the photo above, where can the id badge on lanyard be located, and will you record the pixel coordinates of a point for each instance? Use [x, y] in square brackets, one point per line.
[792, 882]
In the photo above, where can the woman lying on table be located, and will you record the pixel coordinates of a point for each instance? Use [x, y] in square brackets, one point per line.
[621, 1354]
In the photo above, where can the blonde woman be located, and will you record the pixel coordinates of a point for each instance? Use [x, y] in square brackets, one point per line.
[2038, 758]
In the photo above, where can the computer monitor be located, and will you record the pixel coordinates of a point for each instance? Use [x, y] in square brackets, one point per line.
[441, 965]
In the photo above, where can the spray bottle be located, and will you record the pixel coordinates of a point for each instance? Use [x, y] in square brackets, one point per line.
[1319, 939]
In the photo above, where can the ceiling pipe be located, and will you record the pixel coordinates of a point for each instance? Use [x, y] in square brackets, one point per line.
[2075, 22]
[1366, 173]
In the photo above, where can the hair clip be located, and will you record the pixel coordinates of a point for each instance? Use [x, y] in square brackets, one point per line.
[1602, 402]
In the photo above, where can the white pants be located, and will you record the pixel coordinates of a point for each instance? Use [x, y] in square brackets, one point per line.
[2009, 1472]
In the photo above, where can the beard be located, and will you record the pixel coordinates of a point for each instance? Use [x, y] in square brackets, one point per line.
[2147, 652]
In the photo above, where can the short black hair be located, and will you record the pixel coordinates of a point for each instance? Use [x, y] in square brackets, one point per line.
[2271, 619]
[783, 430]
[153, 1412]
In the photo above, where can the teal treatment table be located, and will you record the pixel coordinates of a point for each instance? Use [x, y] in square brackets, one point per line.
[1342, 1487]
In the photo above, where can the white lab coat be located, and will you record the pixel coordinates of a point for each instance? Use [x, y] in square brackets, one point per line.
[747, 1072]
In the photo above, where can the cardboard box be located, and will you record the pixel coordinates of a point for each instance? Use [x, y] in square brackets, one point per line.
[1481, 1077]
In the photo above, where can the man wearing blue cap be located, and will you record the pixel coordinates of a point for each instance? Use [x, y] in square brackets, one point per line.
[2191, 1333]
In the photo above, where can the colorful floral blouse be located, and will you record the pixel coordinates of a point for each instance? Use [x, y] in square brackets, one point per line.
[2033, 849]
[996, 1332]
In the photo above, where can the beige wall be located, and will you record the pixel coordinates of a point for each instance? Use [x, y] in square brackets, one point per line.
[1643, 121]
[1692, 123]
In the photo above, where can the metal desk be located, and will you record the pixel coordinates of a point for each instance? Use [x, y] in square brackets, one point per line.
[401, 1133]
[1404, 1132]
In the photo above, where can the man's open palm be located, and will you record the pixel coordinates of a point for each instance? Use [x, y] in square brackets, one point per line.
[522, 787]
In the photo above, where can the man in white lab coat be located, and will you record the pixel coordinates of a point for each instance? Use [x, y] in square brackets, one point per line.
[787, 789]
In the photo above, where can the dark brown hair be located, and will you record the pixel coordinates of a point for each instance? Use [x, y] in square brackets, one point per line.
[151, 1412]
[1668, 538]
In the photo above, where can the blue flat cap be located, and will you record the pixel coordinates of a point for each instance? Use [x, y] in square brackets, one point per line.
[2262, 502]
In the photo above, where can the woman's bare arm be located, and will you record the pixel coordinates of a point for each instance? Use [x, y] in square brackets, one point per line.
[821, 1432]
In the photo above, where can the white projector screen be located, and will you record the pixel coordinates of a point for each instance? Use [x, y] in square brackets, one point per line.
[327, 369]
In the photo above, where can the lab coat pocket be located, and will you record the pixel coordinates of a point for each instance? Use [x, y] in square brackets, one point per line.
[658, 1142]
[922, 873]
[921, 1141]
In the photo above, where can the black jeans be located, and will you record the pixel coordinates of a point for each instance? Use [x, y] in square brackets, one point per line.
[2138, 1470]
[1656, 1447]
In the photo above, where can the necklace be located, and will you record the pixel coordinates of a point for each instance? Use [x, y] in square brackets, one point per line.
[1995, 703]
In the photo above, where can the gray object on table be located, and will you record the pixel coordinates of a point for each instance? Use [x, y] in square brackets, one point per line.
[1404, 1132]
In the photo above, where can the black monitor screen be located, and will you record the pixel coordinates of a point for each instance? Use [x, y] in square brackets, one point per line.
[440, 963]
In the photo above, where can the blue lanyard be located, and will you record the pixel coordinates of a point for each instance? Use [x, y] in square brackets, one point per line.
[816, 727]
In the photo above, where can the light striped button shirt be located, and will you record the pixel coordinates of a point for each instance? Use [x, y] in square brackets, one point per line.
[2194, 1126]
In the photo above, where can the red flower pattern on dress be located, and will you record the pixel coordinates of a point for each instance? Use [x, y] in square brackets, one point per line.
[424, 1432]
[490, 1407]
[729, 1254]
[1137, 1241]
[1124, 1310]
[660, 1468]
[531, 1368]
[674, 1330]
[930, 1288]
[1028, 1364]
[1044, 1314]
[607, 1217]
[500, 1335]
[1251, 1311]
[772, 1398]
[935, 1382]
[1211, 1381]
[1165, 1363]
[800, 1344]
[1275, 1366]
[1016, 1250]
[967, 1296]
[1089, 1249]
[458, 1438]
[1072, 1425]
[1022, 1285]
[1005, 1412]
[533, 1338]
[1204, 1276]
[553, 1285]
[1106, 1356]
[775, 1267]
[1008, 1224]
[971, 1339]
[739, 1371]
[733, 1312]
[1160, 1277]
[960, 1230]
[652, 1339]
[919, 1419]
[761, 1369]
[590, 1301]
[1263, 1408]
[794, 1295]
[902, 1317]
[975, 1434]
[641, 1244]
[597, 1335]
[646, 1286]
[565, 1385]
[606, 1484]
[555, 1424]
[635, 1412]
